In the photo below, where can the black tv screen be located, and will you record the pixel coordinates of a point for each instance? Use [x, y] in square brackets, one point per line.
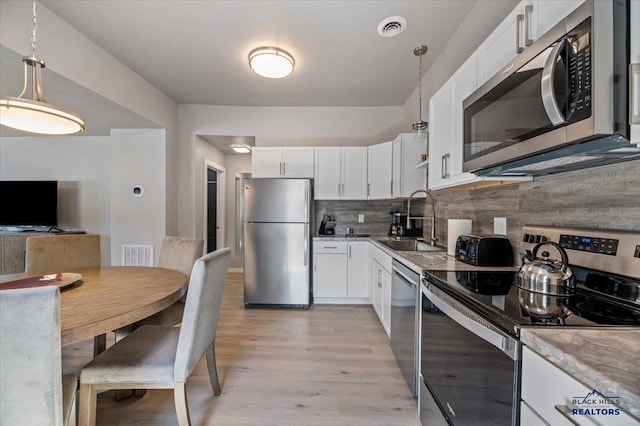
[29, 203]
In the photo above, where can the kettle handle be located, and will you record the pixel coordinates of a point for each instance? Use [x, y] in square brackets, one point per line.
[563, 253]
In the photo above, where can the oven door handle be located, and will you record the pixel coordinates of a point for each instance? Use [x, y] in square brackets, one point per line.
[546, 86]
[473, 322]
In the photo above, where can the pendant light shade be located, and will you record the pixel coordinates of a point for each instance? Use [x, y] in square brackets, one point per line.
[271, 62]
[35, 115]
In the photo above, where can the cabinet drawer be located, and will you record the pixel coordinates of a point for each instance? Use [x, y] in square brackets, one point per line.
[339, 247]
[381, 257]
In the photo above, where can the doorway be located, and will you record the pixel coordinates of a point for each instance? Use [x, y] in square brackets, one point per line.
[212, 210]
[214, 206]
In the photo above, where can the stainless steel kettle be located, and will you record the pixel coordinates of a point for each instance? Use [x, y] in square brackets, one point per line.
[545, 275]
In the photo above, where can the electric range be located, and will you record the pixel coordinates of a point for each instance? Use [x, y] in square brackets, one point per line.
[606, 264]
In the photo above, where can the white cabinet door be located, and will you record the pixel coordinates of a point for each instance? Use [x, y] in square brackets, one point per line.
[549, 13]
[386, 302]
[266, 162]
[463, 83]
[407, 152]
[327, 181]
[354, 173]
[376, 287]
[330, 275]
[506, 41]
[379, 170]
[358, 276]
[439, 135]
[635, 59]
[298, 162]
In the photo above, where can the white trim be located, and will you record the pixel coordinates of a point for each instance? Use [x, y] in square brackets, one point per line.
[221, 193]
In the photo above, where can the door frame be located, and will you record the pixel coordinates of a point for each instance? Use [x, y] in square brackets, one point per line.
[221, 196]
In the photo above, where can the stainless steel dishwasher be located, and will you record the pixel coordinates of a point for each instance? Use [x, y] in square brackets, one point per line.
[405, 322]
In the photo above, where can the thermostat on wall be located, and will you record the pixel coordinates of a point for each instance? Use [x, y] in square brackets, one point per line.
[137, 190]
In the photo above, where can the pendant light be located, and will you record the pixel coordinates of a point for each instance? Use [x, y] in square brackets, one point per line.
[35, 115]
[420, 127]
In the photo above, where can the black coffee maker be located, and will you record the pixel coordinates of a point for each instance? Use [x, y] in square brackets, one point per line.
[398, 227]
[328, 225]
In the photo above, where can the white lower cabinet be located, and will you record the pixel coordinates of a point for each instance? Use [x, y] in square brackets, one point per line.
[340, 273]
[381, 286]
[549, 396]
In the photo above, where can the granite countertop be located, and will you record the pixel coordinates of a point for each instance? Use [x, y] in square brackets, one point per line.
[605, 359]
[418, 261]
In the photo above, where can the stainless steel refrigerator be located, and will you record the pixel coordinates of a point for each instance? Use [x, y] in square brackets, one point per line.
[277, 242]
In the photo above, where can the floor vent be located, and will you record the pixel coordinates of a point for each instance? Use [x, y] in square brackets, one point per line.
[137, 255]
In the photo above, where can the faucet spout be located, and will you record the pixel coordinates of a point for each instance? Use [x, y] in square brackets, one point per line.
[433, 238]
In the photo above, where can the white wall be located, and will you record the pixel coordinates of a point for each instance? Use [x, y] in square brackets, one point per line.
[135, 155]
[75, 57]
[235, 164]
[82, 167]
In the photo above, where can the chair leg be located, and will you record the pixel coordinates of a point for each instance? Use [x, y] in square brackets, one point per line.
[213, 371]
[180, 400]
[88, 402]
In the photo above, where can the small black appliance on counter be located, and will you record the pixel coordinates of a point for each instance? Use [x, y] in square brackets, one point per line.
[484, 250]
[398, 227]
[328, 225]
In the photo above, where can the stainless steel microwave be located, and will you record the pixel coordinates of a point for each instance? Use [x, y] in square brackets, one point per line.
[561, 104]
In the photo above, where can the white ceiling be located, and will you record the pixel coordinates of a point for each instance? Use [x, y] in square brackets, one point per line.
[196, 51]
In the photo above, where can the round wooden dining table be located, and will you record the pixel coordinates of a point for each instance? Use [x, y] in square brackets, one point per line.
[110, 297]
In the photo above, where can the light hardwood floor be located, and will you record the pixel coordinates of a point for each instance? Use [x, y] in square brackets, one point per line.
[330, 365]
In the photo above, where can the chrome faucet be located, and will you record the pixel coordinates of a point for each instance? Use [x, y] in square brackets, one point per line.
[432, 239]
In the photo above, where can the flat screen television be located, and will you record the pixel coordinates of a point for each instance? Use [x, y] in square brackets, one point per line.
[28, 203]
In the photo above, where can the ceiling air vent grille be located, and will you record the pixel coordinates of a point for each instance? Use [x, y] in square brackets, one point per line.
[137, 255]
[392, 26]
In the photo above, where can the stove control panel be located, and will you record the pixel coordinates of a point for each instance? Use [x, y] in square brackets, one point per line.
[608, 246]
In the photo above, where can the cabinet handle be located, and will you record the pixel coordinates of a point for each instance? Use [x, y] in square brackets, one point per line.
[349, 252]
[519, 19]
[330, 247]
[528, 10]
[634, 93]
[284, 169]
[445, 166]
[368, 190]
[281, 172]
[315, 263]
[339, 191]
[379, 278]
[391, 189]
[342, 190]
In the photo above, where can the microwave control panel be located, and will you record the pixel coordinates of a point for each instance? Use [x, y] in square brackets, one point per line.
[579, 72]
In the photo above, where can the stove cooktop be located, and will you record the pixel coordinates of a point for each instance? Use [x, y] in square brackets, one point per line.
[603, 297]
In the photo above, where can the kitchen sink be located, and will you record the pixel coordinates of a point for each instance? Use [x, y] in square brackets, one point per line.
[411, 245]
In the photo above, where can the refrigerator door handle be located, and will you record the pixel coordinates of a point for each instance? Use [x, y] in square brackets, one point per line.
[306, 200]
[306, 245]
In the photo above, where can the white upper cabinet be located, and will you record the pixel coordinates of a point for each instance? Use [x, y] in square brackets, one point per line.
[525, 24]
[340, 173]
[440, 125]
[380, 162]
[407, 152]
[292, 162]
[509, 39]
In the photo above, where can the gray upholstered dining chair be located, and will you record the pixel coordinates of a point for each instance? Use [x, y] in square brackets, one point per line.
[32, 388]
[161, 356]
[177, 253]
[62, 252]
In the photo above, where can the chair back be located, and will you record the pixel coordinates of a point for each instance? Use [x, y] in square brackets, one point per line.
[30, 358]
[180, 253]
[201, 311]
[62, 252]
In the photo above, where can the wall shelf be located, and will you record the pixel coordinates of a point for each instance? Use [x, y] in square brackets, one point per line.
[425, 163]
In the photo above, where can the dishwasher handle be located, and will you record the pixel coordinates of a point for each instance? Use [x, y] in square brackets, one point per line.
[413, 282]
[472, 321]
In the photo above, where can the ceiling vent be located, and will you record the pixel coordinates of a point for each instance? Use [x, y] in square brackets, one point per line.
[392, 26]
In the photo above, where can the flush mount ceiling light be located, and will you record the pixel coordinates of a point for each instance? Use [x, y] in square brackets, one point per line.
[35, 115]
[271, 62]
[392, 26]
[420, 127]
[241, 148]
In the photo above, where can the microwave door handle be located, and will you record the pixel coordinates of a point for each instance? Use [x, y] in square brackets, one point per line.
[546, 86]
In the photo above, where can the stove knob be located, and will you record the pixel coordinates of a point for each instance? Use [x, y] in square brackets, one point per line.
[538, 238]
[525, 238]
